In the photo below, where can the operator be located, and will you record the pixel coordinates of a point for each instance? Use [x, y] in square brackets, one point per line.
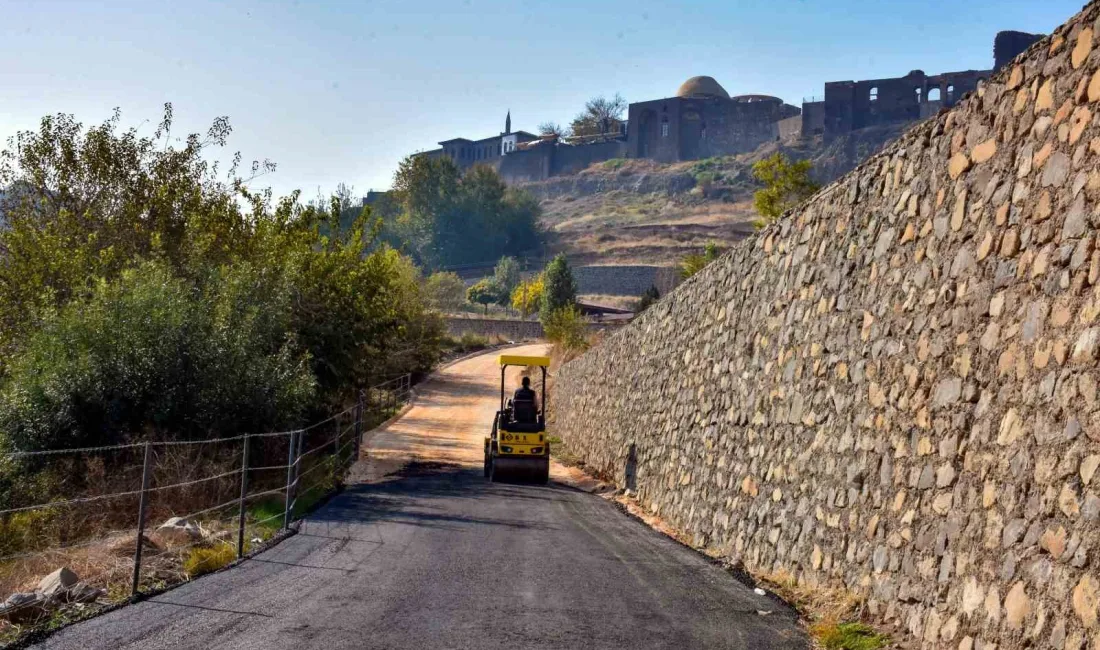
[524, 392]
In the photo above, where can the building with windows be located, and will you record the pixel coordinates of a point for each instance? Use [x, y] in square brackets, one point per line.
[702, 120]
[486, 151]
[851, 105]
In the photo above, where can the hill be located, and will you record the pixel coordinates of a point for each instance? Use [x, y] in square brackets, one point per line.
[642, 212]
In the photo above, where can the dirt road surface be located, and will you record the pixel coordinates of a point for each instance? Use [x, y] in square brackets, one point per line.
[422, 553]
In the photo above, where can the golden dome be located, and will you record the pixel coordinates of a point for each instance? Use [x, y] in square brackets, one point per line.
[702, 87]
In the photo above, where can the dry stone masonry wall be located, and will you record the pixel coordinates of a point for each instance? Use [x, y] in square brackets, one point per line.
[895, 387]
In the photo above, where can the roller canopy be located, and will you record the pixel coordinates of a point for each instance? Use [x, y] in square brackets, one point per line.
[518, 360]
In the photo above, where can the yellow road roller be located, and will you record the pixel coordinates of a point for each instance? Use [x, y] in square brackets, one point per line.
[517, 449]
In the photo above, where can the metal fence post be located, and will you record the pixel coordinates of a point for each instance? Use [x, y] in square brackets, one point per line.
[289, 477]
[358, 426]
[145, 472]
[244, 493]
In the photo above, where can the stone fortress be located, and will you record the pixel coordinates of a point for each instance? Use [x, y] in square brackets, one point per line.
[702, 120]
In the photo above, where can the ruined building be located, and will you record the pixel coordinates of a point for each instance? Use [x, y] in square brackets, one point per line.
[851, 105]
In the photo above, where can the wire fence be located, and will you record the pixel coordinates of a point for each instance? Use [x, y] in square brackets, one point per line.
[137, 517]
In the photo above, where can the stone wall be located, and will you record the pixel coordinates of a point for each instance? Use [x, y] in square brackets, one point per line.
[895, 387]
[624, 280]
[513, 330]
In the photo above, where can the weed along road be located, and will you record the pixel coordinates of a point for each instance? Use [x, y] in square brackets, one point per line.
[422, 552]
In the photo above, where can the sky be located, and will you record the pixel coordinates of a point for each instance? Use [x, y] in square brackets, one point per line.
[339, 92]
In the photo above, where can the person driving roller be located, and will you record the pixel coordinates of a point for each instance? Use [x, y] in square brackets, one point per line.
[524, 405]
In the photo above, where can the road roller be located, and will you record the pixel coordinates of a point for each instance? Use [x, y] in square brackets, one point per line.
[517, 448]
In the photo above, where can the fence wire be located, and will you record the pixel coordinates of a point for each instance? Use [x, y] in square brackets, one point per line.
[247, 486]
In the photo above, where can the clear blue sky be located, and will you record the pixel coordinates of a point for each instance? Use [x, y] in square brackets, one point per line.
[341, 91]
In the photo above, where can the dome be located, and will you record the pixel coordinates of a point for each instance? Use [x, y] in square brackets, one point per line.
[702, 87]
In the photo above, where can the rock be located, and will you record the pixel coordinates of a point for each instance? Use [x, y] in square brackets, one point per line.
[1082, 49]
[984, 151]
[178, 531]
[958, 164]
[57, 585]
[23, 608]
[1017, 606]
[1085, 600]
[1056, 170]
[1053, 541]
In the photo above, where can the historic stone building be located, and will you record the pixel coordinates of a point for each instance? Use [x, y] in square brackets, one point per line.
[486, 151]
[702, 120]
[852, 105]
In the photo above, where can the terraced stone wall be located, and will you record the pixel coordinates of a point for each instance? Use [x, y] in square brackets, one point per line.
[895, 387]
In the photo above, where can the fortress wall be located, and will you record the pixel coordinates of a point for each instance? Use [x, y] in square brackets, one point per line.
[895, 387]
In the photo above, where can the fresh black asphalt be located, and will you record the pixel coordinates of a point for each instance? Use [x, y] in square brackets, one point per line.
[437, 557]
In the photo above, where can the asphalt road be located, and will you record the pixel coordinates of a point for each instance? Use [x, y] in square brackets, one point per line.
[433, 556]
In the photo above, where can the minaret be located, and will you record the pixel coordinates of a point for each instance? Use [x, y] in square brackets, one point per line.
[508, 123]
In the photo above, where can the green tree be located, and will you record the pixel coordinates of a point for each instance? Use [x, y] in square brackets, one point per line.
[484, 292]
[143, 293]
[566, 327]
[506, 276]
[449, 218]
[694, 262]
[786, 184]
[559, 288]
[445, 291]
[600, 116]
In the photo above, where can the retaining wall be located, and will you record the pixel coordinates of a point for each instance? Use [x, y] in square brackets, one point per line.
[895, 387]
[513, 330]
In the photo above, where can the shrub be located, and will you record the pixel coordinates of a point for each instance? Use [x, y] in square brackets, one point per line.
[786, 184]
[566, 328]
[149, 352]
[445, 291]
[694, 262]
[203, 560]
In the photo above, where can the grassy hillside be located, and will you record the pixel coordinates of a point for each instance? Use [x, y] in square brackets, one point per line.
[642, 212]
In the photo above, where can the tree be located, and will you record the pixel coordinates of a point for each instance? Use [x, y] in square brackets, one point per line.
[565, 327]
[554, 129]
[650, 296]
[694, 262]
[559, 288]
[506, 276]
[449, 218]
[600, 116]
[484, 292]
[527, 296]
[786, 184]
[445, 291]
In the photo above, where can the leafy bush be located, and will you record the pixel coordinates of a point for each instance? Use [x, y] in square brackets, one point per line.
[566, 327]
[445, 291]
[786, 184]
[204, 560]
[694, 262]
[150, 353]
[141, 296]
